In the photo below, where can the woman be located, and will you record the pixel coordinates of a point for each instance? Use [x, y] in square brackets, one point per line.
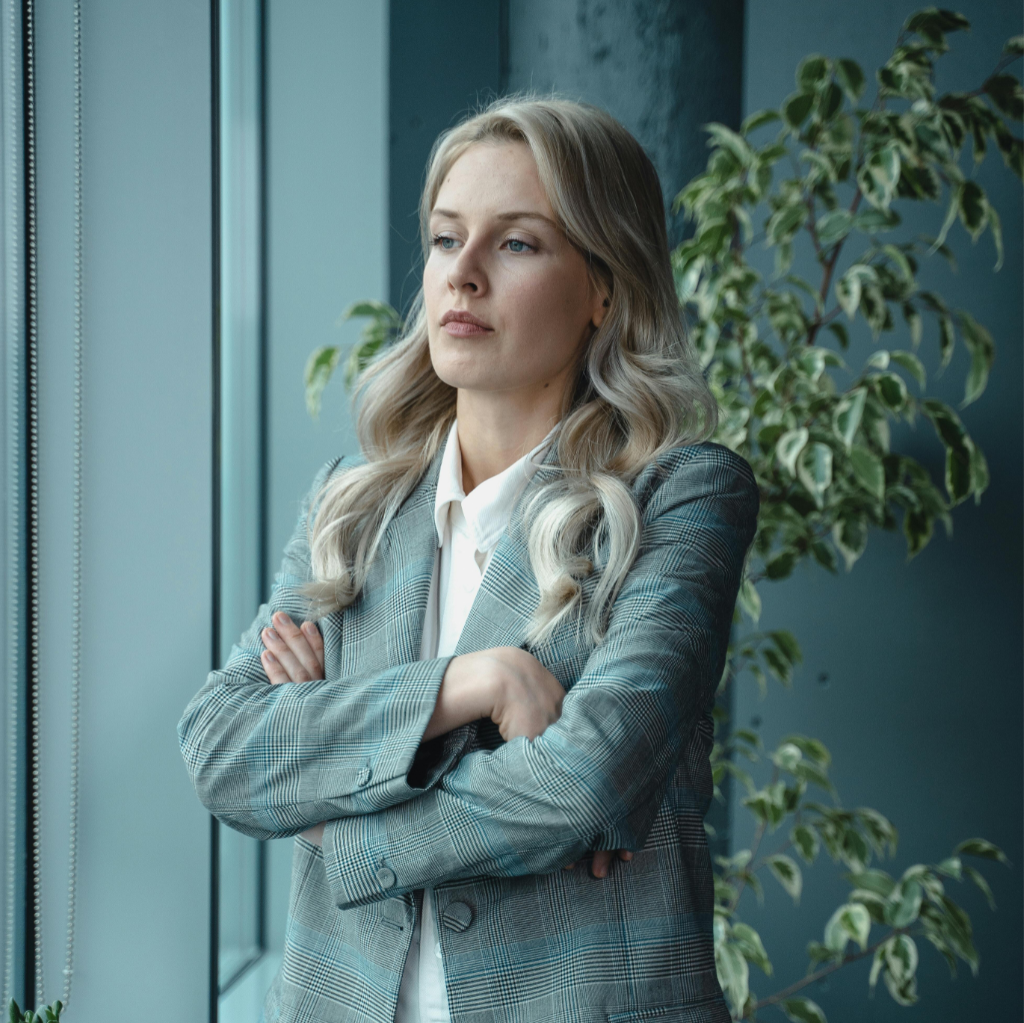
[514, 612]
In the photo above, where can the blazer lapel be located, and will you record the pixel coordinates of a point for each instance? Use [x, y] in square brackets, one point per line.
[384, 626]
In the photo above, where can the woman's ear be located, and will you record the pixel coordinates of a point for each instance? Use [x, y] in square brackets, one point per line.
[602, 305]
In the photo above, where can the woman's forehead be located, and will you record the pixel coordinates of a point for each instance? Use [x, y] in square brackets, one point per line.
[498, 178]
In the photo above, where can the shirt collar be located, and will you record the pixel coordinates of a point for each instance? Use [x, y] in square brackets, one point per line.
[488, 508]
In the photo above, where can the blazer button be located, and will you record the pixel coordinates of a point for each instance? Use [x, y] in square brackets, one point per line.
[457, 916]
[364, 775]
[385, 877]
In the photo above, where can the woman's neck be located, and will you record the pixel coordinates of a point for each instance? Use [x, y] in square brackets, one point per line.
[497, 429]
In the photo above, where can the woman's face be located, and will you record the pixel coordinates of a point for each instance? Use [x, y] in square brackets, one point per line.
[509, 302]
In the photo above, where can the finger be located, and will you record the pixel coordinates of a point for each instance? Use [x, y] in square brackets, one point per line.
[602, 858]
[569, 866]
[625, 854]
[316, 641]
[279, 648]
[298, 643]
[273, 668]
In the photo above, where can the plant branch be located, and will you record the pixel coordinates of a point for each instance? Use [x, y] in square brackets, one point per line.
[811, 978]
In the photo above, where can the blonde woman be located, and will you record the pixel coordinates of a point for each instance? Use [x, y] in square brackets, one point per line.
[488, 661]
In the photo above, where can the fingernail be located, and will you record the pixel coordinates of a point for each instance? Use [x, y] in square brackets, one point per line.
[269, 656]
[627, 855]
[271, 633]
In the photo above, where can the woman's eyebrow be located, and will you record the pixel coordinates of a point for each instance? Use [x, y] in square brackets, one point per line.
[511, 215]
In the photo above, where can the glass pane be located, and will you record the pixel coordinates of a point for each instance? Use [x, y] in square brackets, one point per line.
[241, 867]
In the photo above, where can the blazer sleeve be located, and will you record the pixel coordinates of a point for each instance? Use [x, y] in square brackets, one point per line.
[271, 761]
[604, 766]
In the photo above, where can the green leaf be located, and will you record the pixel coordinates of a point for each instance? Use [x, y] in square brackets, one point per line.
[906, 899]
[982, 884]
[803, 1010]
[789, 446]
[811, 72]
[849, 287]
[788, 874]
[369, 307]
[733, 974]
[319, 368]
[1007, 94]
[850, 922]
[796, 108]
[899, 957]
[787, 645]
[850, 535]
[848, 414]
[892, 390]
[972, 207]
[1015, 45]
[868, 471]
[879, 176]
[995, 226]
[851, 78]
[983, 350]
[982, 849]
[785, 222]
[873, 221]
[726, 138]
[833, 226]
[912, 364]
[947, 338]
[749, 943]
[841, 335]
[814, 749]
[758, 119]
[814, 469]
[805, 841]
[913, 318]
[780, 566]
[750, 600]
[787, 757]
[830, 101]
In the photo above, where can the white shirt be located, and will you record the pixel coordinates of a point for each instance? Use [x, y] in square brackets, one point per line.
[468, 530]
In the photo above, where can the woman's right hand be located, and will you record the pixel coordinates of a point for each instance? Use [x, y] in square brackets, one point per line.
[505, 684]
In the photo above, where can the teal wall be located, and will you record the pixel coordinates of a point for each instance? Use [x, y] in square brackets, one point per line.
[912, 673]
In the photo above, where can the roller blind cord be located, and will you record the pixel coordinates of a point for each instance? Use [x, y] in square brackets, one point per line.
[76, 527]
[76, 521]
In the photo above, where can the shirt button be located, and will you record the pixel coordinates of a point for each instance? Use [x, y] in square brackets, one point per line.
[364, 775]
[457, 916]
[385, 877]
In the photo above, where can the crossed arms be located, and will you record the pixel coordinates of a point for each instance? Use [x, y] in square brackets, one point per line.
[275, 760]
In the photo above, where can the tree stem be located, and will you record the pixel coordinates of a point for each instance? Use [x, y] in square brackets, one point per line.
[811, 978]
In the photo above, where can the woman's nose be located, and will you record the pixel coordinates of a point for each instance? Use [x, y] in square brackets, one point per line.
[467, 273]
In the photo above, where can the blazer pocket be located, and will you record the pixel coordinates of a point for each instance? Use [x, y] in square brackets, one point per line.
[710, 1010]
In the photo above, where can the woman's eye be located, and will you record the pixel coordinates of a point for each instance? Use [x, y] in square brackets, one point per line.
[443, 241]
[518, 245]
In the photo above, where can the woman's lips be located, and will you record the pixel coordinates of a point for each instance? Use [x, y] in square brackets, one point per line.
[462, 328]
[459, 323]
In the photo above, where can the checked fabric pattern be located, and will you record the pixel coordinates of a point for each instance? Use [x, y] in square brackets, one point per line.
[490, 824]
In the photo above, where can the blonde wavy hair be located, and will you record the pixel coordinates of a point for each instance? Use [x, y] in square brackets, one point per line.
[638, 391]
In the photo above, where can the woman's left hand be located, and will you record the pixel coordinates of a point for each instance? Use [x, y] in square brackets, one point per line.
[294, 653]
[603, 859]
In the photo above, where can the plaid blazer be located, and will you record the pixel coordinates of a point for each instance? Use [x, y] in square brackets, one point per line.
[490, 824]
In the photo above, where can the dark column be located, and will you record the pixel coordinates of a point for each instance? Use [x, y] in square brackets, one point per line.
[662, 67]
